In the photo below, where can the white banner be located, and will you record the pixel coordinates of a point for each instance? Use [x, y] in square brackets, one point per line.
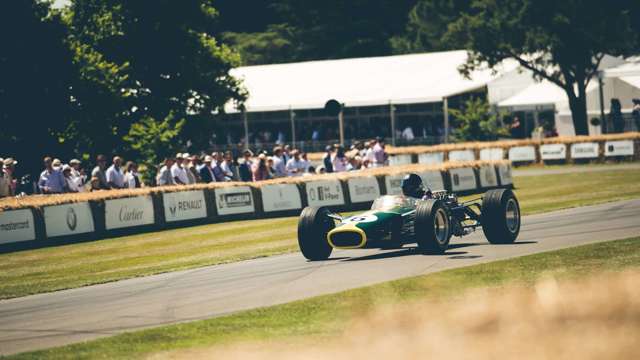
[16, 225]
[432, 180]
[324, 193]
[618, 148]
[584, 150]
[522, 153]
[403, 159]
[488, 176]
[280, 197]
[363, 189]
[393, 184]
[489, 154]
[184, 205]
[234, 200]
[128, 212]
[553, 152]
[462, 179]
[431, 158]
[504, 170]
[68, 219]
[462, 155]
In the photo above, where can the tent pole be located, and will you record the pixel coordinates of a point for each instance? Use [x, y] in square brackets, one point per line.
[392, 115]
[603, 120]
[445, 109]
[245, 119]
[292, 116]
[341, 124]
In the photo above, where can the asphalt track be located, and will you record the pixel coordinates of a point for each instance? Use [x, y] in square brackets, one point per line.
[53, 319]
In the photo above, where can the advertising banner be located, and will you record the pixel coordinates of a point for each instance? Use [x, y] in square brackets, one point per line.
[618, 148]
[403, 159]
[462, 155]
[363, 189]
[489, 154]
[504, 170]
[462, 179]
[393, 184]
[280, 197]
[128, 212]
[522, 153]
[431, 158]
[184, 205]
[553, 152]
[68, 219]
[324, 193]
[432, 179]
[234, 200]
[488, 176]
[584, 150]
[16, 226]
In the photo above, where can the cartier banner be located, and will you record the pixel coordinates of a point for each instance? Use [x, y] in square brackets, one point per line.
[128, 212]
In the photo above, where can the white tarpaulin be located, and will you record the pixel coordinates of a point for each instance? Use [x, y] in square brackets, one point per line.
[370, 81]
[632, 80]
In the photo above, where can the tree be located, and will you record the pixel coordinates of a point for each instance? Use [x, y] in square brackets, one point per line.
[560, 41]
[476, 122]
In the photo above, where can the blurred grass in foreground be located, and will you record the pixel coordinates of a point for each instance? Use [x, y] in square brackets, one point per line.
[71, 266]
[322, 320]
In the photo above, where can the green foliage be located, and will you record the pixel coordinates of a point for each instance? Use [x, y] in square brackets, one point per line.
[476, 122]
[153, 140]
[561, 41]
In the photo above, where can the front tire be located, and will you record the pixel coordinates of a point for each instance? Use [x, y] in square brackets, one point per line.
[500, 217]
[313, 225]
[432, 227]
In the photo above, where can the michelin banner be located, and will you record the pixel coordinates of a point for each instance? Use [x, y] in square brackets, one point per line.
[68, 219]
[128, 212]
[280, 197]
[618, 148]
[324, 193]
[16, 226]
[234, 200]
[363, 189]
[184, 205]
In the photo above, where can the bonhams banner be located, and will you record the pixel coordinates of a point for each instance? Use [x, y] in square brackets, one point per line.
[324, 193]
[553, 152]
[363, 189]
[280, 197]
[184, 205]
[68, 219]
[128, 212]
[584, 150]
[234, 200]
[462, 179]
[618, 148]
[16, 225]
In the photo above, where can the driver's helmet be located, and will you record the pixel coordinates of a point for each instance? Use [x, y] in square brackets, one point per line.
[412, 186]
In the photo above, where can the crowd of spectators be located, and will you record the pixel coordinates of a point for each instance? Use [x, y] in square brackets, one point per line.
[185, 169]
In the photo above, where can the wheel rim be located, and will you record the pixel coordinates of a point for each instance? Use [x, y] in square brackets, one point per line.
[513, 215]
[441, 226]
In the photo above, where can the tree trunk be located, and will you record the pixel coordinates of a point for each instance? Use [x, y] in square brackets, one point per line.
[578, 105]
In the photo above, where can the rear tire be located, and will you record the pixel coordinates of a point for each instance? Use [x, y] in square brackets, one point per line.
[500, 217]
[432, 227]
[313, 225]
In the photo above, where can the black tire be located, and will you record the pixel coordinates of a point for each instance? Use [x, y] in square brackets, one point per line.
[432, 227]
[313, 226]
[500, 217]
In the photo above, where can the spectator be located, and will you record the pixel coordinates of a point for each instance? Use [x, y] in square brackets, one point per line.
[615, 116]
[295, 166]
[339, 161]
[516, 129]
[407, 133]
[270, 168]
[77, 174]
[70, 185]
[94, 184]
[279, 162]
[57, 164]
[286, 153]
[228, 168]
[326, 160]
[178, 173]
[115, 176]
[259, 169]
[4, 184]
[164, 175]
[244, 169]
[9, 169]
[206, 172]
[99, 172]
[186, 166]
[51, 180]
[305, 161]
[194, 165]
[218, 174]
[354, 163]
[368, 155]
[635, 114]
[131, 176]
[379, 155]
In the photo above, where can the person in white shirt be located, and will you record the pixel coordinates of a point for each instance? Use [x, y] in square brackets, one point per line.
[339, 160]
[164, 175]
[131, 177]
[77, 174]
[70, 185]
[279, 163]
[178, 173]
[115, 177]
[305, 161]
[295, 166]
[407, 133]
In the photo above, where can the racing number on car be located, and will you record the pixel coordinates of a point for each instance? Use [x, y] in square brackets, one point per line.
[361, 219]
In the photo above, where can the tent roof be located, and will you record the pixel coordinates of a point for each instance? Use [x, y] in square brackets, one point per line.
[542, 93]
[632, 80]
[414, 78]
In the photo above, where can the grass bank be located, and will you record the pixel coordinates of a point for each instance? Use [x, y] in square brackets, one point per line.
[71, 266]
[326, 317]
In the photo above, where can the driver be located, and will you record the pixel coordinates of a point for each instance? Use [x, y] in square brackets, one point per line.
[412, 186]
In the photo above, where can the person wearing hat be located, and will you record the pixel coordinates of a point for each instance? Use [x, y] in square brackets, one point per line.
[279, 162]
[77, 174]
[178, 172]
[51, 179]
[244, 169]
[259, 169]
[131, 176]
[193, 168]
[295, 166]
[99, 173]
[206, 172]
[8, 169]
[218, 174]
[4, 185]
[326, 159]
[70, 185]
[228, 167]
[115, 175]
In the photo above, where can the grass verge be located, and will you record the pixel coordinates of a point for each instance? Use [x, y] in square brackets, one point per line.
[76, 265]
[325, 317]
